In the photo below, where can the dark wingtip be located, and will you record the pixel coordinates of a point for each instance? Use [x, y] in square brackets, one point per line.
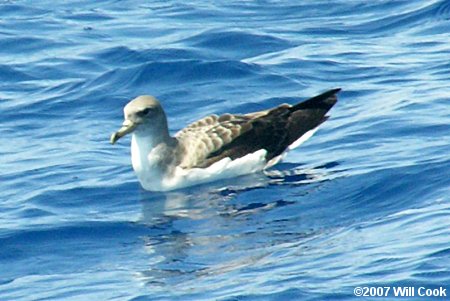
[322, 101]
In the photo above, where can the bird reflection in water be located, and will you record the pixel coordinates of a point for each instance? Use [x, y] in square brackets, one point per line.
[209, 230]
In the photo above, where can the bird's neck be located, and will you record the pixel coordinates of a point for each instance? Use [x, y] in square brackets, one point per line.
[145, 156]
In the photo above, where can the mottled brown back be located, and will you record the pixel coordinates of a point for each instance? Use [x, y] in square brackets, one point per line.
[214, 138]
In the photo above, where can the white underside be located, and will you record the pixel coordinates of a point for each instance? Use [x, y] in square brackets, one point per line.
[223, 169]
[153, 180]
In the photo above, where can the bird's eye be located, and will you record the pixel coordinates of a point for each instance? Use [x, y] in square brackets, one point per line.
[145, 111]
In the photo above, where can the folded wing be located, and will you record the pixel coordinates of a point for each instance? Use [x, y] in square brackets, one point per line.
[216, 137]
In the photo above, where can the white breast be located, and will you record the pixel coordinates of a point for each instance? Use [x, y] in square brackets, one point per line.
[178, 177]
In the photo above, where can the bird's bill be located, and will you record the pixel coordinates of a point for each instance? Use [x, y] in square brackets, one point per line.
[127, 127]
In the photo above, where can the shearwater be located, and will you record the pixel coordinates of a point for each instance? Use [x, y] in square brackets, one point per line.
[215, 147]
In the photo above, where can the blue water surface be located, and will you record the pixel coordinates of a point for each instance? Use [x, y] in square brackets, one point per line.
[365, 202]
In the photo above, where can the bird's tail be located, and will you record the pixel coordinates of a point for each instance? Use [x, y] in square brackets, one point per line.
[323, 101]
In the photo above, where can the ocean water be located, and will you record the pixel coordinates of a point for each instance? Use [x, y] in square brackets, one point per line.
[364, 203]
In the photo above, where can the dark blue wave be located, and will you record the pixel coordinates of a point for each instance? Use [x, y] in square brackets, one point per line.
[11, 74]
[239, 44]
[363, 203]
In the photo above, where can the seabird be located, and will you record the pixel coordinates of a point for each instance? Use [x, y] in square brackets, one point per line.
[215, 147]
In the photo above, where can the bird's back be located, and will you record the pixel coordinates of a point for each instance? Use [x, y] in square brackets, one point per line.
[214, 138]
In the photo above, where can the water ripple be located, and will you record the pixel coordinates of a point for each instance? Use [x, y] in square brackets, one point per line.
[365, 201]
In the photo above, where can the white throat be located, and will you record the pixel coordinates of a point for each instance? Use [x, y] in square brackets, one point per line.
[141, 150]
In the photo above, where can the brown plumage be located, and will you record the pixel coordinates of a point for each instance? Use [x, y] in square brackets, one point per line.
[213, 138]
